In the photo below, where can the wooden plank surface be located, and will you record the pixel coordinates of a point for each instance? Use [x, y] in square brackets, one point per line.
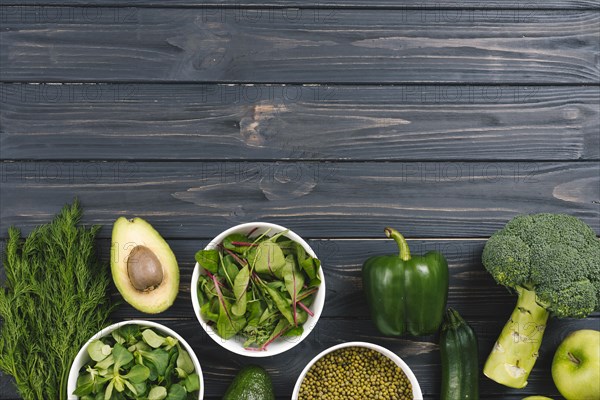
[332, 118]
[472, 291]
[505, 6]
[420, 353]
[200, 199]
[147, 44]
[470, 284]
[342, 260]
[245, 122]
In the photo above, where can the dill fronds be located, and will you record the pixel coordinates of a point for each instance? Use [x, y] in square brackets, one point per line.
[54, 298]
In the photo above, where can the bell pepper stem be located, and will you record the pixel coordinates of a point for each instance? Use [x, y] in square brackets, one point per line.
[404, 253]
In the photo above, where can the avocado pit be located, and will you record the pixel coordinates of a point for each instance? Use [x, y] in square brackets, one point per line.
[144, 269]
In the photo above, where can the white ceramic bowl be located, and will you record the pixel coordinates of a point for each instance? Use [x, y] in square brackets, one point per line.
[281, 344]
[417, 394]
[83, 357]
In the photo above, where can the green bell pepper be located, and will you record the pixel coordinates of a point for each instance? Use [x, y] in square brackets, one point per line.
[404, 293]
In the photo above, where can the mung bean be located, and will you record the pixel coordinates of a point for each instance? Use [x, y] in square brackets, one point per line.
[355, 373]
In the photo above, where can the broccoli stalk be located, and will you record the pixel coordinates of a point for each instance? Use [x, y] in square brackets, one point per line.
[516, 349]
[552, 261]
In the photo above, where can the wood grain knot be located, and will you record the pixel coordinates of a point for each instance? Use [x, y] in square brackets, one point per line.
[259, 122]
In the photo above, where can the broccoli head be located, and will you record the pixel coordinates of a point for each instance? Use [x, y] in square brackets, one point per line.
[555, 255]
[553, 262]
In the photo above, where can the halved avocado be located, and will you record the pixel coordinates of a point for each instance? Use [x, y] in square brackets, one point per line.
[143, 266]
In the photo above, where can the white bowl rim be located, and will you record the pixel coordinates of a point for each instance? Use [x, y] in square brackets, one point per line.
[308, 326]
[417, 394]
[82, 354]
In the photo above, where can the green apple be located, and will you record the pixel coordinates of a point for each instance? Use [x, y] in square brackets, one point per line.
[537, 398]
[576, 366]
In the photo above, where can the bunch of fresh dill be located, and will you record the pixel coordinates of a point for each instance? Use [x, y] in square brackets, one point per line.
[54, 298]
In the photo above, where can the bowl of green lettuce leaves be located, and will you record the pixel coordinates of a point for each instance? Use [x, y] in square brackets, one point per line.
[136, 359]
[258, 289]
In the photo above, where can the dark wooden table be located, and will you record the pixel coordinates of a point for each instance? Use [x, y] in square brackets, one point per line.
[334, 119]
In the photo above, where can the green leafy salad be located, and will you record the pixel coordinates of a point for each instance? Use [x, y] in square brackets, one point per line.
[135, 362]
[260, 288]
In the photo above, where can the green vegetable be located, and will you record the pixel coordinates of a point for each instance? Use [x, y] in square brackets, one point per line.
[98, 351]
[192, 383]
[157, 393]
[152, 338]
[164, 371]
[176, 392]
[240, 286]
[260, 288]
[158, 358]
[552, 261]
[184, 361]
[143, 266]
[251, 383]
[458, 350]
[406, 294]
[53, 299]
[537, 398]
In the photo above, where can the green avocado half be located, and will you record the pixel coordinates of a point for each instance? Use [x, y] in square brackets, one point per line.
[143, 266]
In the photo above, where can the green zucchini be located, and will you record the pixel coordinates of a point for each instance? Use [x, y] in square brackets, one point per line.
[460, 368]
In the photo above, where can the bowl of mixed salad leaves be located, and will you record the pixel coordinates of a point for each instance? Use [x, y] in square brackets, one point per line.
[136, 360]
[258, 289]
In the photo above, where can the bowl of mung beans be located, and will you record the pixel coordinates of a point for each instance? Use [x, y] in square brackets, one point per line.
[357, 370]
